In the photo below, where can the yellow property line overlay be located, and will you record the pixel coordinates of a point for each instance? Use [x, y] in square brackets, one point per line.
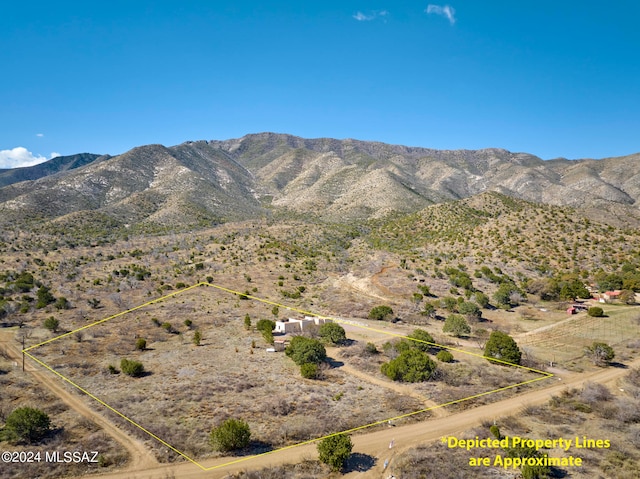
[544, 374]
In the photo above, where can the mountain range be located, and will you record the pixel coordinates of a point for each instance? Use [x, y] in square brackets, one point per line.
[204, 182]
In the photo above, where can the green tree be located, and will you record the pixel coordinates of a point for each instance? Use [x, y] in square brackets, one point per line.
[456, 325]
[247, 322]
[601, 353]
[595, 311]
[52, 324]
[482, 299]
[502, 346]
[410, 366]
[131, 368]
[449, 303]
[627, 296]
[609, 282]
[267, 335]
[27, 424]
[231, 435]
[332, 333]
[141, 344]
[506, 295]
[62, 303]
[470, 310]
[335, 450]
[306, 350]
[265, 324]
[197, 337]
[381, 313]
[44, 297]
[429, 310]
[421, 335]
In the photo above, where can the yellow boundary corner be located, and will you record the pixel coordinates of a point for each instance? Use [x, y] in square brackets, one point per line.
[544, 374]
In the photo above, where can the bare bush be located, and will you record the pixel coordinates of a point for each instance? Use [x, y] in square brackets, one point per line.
[628, 411]
[595, 392]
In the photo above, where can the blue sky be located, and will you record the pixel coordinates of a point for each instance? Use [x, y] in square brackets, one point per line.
[556, 79]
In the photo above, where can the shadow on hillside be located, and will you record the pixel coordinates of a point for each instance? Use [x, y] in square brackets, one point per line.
[334, 363]
[618, 365]
[256, 447]
[359, 462]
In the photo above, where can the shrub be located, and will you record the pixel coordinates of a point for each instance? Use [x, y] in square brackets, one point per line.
[309, 370]
[44, 297]
[232, 434]
[131, 368]
[502, 346]
[167, 327]
[265, 325]
[410, 366]
[197, 337]
[482, 299]
[51, 324]
[335, 450]
[62, 303]
[456, 325]
[141, 344]
[381, 313]
[306, 350]
[371, 348]
[595, 312]
[421, 335]
[27, 424]
[332, 333]
[601, 353]
[444, 356]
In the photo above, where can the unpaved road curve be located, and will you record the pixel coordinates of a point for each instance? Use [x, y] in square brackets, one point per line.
[376, 443]
[140, 457]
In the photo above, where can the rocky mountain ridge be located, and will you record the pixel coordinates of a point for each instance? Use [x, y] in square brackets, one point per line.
[203, 182]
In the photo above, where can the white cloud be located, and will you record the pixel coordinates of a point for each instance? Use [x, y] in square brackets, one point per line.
[39, 135]
[446, 11]
[361, 17]
[20, 156]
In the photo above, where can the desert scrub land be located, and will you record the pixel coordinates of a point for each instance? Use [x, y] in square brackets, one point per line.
[186, 390]
[70, 431]
[596, 411]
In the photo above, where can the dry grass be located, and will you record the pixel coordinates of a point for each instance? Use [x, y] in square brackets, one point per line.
[71, 431]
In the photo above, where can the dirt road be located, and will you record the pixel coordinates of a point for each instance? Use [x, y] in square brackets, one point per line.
[140, 457]
[376, 444]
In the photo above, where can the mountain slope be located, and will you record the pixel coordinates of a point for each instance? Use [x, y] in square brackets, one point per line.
[50, 167]
[197, 183]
